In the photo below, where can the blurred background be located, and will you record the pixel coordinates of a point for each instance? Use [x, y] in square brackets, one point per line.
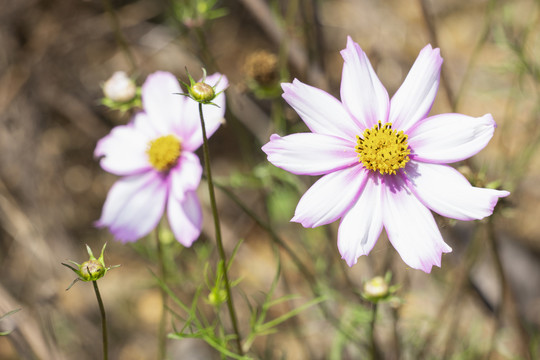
[484, 303]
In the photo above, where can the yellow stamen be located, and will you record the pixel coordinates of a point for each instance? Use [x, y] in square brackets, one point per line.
[163, 152]
[383, 149]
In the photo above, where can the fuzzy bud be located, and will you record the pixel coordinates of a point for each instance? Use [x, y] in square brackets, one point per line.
[120, 88]
[262, 66]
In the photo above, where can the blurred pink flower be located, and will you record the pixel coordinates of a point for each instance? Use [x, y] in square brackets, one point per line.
[383, 160]
[155, 155]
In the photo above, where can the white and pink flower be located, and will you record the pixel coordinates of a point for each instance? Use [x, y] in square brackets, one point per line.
[155, 156]
[384, 160]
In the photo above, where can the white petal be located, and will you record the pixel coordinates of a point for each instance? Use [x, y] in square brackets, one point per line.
[186, 175]
[413, 100]
[330, 197]
[362, 225]
[185, 218]
[362, 92]
[123, 151]
[310, 154]
[161, 101]
[447, 192]
[142, 123]
[320, 111]
[410, 226]
[134, 206]
[448, 138]
[213, 115]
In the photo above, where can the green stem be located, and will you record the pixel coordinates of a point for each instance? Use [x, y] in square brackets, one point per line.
[219, 241]
[103, 322]
[162, 352]
[373, 344]
[312, 281]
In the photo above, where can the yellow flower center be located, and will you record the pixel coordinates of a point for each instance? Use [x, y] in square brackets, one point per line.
[164, 152]
[383, 149]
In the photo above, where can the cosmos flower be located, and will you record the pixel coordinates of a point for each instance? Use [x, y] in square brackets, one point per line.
[155, 156]
[383, 160]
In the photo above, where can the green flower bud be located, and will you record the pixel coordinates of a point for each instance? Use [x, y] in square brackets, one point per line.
[91, 270]
[217, 297]
[202, 92]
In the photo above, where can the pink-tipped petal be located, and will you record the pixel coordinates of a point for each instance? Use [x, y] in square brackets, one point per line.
[410, 227]
[161, 101]
[444, 190]
[362, 225]
[330, 197]
[186, 175]
[123, 151]
[190, 127]
[448, 138]
[185, 218]
[310, 154]
[362, 92]
[320, 111]
[413, 100]
[134, 206]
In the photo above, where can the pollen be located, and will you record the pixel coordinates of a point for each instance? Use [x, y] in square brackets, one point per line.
[383, 149]
[163, 152]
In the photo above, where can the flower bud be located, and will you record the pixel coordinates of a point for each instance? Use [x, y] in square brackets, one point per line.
[120, 88]
[202, 92]
[376, 288]
[92, 270]
[217, 297]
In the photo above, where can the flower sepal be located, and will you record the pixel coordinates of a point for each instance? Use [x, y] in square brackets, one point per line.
[200, 91]
[91, 270]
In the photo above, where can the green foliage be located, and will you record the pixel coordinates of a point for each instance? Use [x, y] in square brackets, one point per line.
[355, 317]
[197, 324]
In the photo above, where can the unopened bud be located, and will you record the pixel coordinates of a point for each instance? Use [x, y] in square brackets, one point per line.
[92, 270]
[217, 297]
[202, 92]
[119, 87]
[376, 288]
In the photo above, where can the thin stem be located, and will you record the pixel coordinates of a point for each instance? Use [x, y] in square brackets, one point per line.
[103, 322]
[373, 344]
[311, 280]
[162, 350]
[219, 241]
[395, 333]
